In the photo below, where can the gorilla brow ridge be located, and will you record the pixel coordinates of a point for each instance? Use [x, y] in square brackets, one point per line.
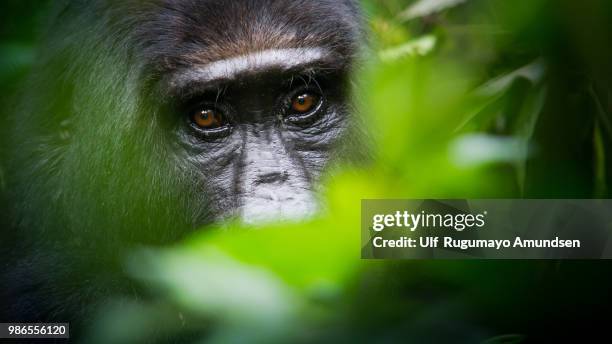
[228, 69]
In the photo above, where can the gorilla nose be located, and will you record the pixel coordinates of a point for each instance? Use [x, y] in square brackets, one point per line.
[273, 185]
[272, 177]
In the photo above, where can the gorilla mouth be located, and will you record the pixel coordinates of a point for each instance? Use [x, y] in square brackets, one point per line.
[277, 203]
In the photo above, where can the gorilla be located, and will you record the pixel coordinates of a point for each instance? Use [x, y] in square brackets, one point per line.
[144, 120]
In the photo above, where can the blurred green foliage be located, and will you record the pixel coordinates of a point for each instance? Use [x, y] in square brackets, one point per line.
[463, 99]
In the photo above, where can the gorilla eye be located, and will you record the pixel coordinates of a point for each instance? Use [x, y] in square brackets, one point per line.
[304, 108]
[304, 102]
[210, 122]
[207, 118]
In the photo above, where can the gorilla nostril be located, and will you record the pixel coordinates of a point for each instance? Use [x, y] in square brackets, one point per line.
[272, 177]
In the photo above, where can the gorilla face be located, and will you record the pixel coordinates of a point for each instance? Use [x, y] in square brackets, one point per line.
[259, 129]
[256, 94]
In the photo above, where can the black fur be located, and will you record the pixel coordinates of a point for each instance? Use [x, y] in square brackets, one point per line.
[95, 161]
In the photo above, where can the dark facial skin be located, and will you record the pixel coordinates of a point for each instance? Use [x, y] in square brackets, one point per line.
[265, 157]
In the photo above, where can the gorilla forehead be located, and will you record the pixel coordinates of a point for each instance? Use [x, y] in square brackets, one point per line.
[182, 33]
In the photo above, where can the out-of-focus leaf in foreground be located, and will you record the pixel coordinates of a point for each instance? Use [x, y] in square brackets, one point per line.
[266, 284]
[423, 8]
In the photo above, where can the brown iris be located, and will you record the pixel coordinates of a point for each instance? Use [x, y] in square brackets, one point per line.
[304, 102]
[207, 118]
